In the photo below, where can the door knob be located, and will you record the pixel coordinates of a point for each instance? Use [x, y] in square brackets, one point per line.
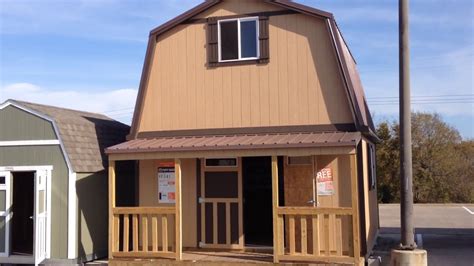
[31, 217]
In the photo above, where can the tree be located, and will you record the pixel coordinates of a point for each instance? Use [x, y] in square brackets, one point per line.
[442, 162]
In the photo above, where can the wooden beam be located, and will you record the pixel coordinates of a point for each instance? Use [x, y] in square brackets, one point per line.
[355, 209]
[233, 153]
[178, 215]
[275, 203]
[241, 204]
[111, 207]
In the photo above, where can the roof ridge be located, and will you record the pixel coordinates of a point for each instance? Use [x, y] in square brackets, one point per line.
[58, 108]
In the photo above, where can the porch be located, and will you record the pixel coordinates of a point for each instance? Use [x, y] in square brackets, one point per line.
[324, 230]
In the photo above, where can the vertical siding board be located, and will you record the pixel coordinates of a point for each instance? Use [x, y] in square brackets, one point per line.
[218, 112]
[282, 69]
[245, 94]
[166, 86]
[264, 96]
[200, 90]
[273, 71]
[236, 98]
[190, 63]
[254, 96]
[314, 100]
[303, 56]
[227, 97]
[293, 106]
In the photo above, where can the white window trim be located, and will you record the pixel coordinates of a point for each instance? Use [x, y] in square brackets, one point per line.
[29, 142]
[238, 38]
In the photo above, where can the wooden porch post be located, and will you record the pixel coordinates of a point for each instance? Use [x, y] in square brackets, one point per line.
[276, 226]
[111, 206]
[355, 209]
[178, 217]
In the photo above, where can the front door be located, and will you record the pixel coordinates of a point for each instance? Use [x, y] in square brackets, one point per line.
[4, 213]
[22, 213]
[41, 178]
[221, 204]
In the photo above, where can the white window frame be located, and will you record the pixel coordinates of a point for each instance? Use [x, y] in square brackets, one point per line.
[239, 42]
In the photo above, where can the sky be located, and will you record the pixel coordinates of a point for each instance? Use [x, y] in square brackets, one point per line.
[88, 54]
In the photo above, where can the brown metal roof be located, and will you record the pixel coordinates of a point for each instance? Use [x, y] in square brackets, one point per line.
[84, 135]
[238, 142]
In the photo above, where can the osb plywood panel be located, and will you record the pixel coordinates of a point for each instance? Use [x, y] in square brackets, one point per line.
[148, 196]
[300, 85]
[298, 189]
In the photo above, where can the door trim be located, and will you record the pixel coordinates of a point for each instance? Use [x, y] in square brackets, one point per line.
[239, 200]
[49, 169]
[6, 213]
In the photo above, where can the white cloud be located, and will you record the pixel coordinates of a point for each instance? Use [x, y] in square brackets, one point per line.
[117, 104]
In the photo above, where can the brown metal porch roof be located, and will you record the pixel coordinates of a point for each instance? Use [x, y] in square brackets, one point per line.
[237, 142]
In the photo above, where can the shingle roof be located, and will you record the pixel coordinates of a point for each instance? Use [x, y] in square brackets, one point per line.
[238, 142]
[84, 135]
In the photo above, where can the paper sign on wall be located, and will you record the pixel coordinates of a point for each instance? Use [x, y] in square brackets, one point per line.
[325, 182]
[166, 185]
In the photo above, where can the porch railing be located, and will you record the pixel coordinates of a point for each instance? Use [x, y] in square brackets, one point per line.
[315, 234]
[132, 237]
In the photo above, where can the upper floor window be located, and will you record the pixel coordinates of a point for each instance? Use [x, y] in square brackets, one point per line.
[238, 39]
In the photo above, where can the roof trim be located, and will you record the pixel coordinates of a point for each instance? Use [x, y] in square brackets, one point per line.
[263, 141]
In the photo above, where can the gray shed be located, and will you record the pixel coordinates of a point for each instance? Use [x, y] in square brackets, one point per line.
[53, 182]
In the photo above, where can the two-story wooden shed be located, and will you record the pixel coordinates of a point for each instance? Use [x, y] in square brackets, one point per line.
[251, 130]
[53, 183]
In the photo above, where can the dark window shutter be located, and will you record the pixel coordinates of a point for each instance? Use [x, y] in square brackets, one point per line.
[264, 39]
[212, 47]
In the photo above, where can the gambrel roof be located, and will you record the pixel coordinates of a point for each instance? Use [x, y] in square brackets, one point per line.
[351, 79]
[84, 135]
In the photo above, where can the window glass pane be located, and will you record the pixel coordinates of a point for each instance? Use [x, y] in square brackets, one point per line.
[221, 162]
[2, 180]
[248, 36]
[229, 40]
[300, 160]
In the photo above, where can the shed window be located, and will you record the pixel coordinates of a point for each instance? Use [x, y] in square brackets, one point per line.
[226, 162]
[238, 39]
[372, 167]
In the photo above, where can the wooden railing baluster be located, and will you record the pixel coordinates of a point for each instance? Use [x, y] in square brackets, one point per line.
[126, 231]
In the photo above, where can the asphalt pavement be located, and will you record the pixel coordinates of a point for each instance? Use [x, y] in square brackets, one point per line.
[445, 231]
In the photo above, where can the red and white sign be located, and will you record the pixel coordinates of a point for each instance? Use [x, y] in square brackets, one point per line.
[325, 182]
[166, 185]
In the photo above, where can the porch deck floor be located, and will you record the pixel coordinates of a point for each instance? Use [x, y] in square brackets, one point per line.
[204, 258]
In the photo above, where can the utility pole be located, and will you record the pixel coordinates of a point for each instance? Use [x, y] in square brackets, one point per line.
[407, 253]
[406, 173]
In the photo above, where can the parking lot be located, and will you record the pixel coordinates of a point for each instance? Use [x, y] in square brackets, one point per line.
[446, 231]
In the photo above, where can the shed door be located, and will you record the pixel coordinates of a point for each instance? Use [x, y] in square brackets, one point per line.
[221, 206]
[41, 178]
[5, 205]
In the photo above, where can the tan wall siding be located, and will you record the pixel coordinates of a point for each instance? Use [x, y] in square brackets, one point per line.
[148, 196]
[300, 85]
